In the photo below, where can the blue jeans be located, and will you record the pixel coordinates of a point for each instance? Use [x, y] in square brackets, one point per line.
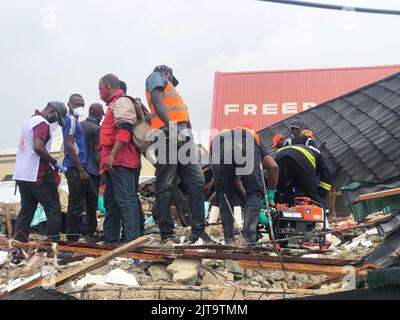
[120, 201]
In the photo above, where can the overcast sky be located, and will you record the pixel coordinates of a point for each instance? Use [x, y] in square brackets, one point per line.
[51, 49]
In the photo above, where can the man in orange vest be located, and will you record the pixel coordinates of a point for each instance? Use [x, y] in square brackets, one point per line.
[239, 153]
[172, 131]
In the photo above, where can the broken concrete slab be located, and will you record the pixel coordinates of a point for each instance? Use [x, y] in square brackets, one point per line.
[277, 276]
[185, 271]
[159, 272]
[121, 277]
[217, 279]
[33, 265]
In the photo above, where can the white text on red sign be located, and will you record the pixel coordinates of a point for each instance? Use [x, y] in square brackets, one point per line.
[268, 108]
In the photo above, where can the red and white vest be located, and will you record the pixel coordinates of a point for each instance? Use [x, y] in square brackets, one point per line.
[27, 162]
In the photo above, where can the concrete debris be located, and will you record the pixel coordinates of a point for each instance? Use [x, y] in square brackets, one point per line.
[278, 276]
[89, 279]
[203, 279]
[33, 265]
[3, 257]
[185, 271]
[119, 276]
[217, 279]
[159, 272]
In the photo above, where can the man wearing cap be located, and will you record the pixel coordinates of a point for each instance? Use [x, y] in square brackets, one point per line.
[299, 136]
[35, 171]
[278, 141]
[91, 132]
[169, 120]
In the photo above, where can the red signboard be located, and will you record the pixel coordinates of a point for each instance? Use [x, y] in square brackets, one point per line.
[266, 97]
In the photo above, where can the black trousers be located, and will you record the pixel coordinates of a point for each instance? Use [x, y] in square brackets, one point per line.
[89, 221]
[295, 181]
[141, 213]
[80, 196]
[47, 195]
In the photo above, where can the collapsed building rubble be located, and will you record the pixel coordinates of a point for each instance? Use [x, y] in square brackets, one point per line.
[146, 270]
[190, 271]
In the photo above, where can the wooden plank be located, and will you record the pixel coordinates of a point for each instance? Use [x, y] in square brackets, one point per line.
[98, 262]
[331, 278]
[81, 270]
[301, 268]
[381, 194]
[82, 250]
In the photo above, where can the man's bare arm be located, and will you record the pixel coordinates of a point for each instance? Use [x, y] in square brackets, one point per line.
[273, 172]
[159, 106]
[40, 149]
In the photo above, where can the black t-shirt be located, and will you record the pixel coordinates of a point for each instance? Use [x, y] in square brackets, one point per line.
[236, 140]
[91, 131]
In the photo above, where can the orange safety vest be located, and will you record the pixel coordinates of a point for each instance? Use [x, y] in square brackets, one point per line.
[177, 110]
[253, 133]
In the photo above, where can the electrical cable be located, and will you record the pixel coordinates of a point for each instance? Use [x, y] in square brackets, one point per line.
[335, 7]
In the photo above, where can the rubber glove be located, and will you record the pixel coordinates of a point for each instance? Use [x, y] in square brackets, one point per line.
[271, 197]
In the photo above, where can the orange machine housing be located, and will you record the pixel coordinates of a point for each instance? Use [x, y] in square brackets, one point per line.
[309, 212]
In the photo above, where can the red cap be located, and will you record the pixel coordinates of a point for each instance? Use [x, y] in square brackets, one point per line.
[276, 140]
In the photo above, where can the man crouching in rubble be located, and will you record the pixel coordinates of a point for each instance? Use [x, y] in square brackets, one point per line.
[239, 153]
[35, 173]
[303, 172]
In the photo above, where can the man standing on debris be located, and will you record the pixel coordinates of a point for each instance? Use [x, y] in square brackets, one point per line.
[231, 151]
[75, 164]
[34, 171]
[91, 131]
[138, 170]
[302, 172]
[118, 164]
[169, 119]
[300, 135]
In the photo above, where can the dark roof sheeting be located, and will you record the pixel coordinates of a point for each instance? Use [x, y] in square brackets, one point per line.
[358, 132]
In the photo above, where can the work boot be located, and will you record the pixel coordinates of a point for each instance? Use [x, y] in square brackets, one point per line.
[227, 225]
[251, 222]
[203, 235]
[172, 239]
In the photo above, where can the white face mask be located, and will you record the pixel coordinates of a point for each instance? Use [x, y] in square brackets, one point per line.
[79, 112]
[53, 126]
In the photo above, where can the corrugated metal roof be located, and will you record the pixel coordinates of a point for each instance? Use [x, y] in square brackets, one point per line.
[267, 97]
[359, 132]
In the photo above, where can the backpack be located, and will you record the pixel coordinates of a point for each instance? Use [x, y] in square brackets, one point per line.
[141, 127]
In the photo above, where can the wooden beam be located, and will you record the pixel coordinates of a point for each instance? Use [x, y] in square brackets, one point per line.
[81, 270]
[381, 194]
[82, 250]
[301, 268]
